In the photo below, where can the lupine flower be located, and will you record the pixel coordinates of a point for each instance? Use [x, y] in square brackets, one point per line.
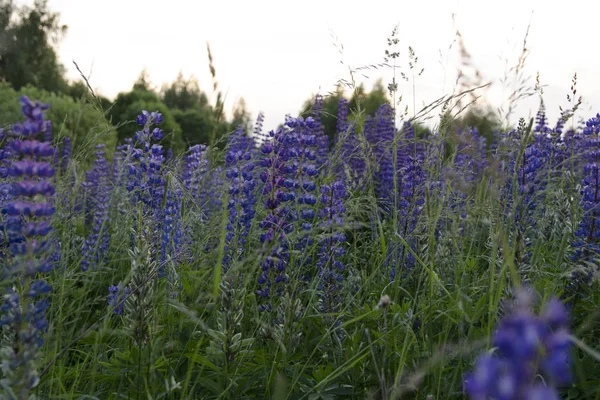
[533, 159]
[587, 243]
[155, 182]
[48, 134]
[258, 127]
[96, 244]
[527, 345]
[410, 199]
[145, 161]
[471, 156]
[171, 232]
[28, 229]
[412, 179]
[317, 129]
[117, 295]
[195, 169]
[66, 153]
[342, 118]
[194, 176]
[241, 210]
[352, 167]
[211, 193]
[147, 184]
[560, 124]
[331, 248]
[532, 179]
[592, 126]
[371, 136]
[258, 139]
[588, 232]
[276, 224]
[118, 164]
[382, 144]
[171, 238]
[302, 159]
[470, 161]
[5, 161]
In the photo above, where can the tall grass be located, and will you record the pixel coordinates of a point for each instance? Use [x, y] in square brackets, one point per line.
[392, 295]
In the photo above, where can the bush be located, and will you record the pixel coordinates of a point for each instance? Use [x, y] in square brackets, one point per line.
[85, 124]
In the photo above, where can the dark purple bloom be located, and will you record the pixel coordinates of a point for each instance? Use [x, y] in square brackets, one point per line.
[98, 190]
[331, 248]
[279, 220]
[527, 345]
[117, 295]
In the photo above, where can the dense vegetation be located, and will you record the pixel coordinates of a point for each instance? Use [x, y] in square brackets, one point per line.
[376, 268]
[150, 248]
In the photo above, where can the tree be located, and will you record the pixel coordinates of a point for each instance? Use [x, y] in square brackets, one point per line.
[143, 82]
[183, 94]
[77, 90]
[6, 11]
[241, 116]
[196, 125]
[194, 114]
[27, 56]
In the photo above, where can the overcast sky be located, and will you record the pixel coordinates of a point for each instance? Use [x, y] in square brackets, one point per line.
[277, 53]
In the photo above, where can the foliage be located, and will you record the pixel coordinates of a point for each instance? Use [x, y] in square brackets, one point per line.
[196, 117]
[183, 94]
[241, 116]
[76, 119]
[197, 125]
[26, 53]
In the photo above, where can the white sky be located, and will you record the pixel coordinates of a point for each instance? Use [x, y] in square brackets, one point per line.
[277, 53]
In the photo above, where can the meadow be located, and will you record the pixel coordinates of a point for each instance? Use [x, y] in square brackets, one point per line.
[392, 263]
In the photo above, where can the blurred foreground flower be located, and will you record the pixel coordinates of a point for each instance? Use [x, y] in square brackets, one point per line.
[528, 347]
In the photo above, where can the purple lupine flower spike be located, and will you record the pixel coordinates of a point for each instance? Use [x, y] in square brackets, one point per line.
[241, 205]
[27, 214]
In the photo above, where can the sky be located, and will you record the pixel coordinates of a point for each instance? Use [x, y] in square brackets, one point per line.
[276, 54]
